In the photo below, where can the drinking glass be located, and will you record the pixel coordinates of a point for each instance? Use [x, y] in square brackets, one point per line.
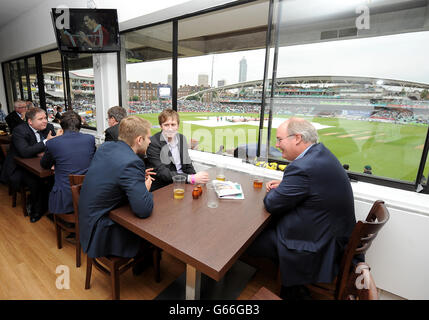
[179, 187]
[212, 200]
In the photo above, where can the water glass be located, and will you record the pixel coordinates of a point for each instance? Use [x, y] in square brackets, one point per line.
[212, 200]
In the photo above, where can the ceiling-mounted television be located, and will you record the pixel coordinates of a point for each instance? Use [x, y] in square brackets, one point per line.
[86, 30]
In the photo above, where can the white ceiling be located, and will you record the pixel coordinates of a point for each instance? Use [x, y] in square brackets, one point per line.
[11, 9]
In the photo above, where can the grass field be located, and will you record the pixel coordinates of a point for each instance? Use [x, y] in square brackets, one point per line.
[392, 150]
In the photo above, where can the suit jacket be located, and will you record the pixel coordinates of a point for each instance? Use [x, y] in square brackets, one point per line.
[71, 153]
[159, 157]
[116, 176]
[112, 133]
[24, 144]
[13, 120]
[313, 209]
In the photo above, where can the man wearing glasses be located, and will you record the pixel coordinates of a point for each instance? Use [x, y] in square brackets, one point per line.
[16, 117]
[312, 210]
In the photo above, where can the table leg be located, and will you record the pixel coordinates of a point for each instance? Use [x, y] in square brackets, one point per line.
[193, 283]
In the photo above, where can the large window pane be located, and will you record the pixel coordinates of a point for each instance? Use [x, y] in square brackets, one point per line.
[361, 78]
[81, 75]
[221, 58]
[53, 81]
[15, 80]
[32, 72]
[148, 60]
[23, 77]
[9, 85]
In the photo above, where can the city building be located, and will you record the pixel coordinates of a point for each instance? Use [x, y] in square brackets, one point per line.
[242, 76]
[363, 82]
[203, 80]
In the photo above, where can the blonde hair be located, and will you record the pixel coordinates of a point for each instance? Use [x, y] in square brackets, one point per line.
[131, 127]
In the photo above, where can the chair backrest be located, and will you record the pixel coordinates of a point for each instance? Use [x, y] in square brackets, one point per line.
[76, 181]
[361, 284]
[360, 241]
[4, 149]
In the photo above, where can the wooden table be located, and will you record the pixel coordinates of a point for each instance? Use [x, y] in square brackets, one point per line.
[207, 240]
[33, 165]
[5, 139]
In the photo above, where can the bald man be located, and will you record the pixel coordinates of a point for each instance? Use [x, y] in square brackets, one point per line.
[312, 209]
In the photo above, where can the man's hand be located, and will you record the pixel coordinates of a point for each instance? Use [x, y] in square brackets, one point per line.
[272, 184]
[148, 182]
[202, 177]
[149, 172]
[50, 136]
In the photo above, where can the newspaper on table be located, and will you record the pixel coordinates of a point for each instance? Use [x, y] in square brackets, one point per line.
[228, 189]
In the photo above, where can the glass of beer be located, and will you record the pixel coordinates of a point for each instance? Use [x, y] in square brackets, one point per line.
[220, 171]
[179, 187]
[258, 181]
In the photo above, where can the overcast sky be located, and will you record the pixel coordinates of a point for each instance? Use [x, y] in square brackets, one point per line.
[401, 57]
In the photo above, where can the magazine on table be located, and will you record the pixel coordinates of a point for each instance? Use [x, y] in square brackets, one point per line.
[228, 189]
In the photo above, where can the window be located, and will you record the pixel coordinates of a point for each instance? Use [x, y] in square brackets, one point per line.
[82, 94]
[53, 82]
[33, 85]
[221, 59]
[147, 87]
[364, 89]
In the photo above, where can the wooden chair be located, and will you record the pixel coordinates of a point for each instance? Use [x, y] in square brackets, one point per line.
[360, 241]
[361, 285]
[265, 294]
[111, 265]
[64, 221]
[23, 190]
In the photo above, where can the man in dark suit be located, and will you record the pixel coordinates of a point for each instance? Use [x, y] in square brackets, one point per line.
[17, 116]
[168, 153]
[28, 141]
[312, 210]
[70, 153]
[58, 115]
[116, 176]
[114, 116]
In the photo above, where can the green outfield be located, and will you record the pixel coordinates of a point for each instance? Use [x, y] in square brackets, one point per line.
[392, 150]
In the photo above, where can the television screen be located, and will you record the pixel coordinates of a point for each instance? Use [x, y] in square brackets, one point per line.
[86, 30]
[164, 92]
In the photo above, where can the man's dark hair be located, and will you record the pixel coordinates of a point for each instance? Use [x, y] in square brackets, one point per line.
[117, 112]
[31, 113]
[71, 121]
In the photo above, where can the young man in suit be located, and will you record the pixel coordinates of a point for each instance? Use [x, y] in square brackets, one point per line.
[17, 116]
[116, 176]
[312, 209]
[168, 153]
[28, 141]
[114, 116]
[70, 153]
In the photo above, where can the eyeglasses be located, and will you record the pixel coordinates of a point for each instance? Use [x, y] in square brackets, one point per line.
[280, 139]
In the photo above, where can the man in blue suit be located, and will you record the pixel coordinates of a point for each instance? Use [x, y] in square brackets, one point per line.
[116, 176]
[312, 211]
[70, 153]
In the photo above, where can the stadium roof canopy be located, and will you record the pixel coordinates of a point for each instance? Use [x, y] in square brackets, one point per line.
[321, 81]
